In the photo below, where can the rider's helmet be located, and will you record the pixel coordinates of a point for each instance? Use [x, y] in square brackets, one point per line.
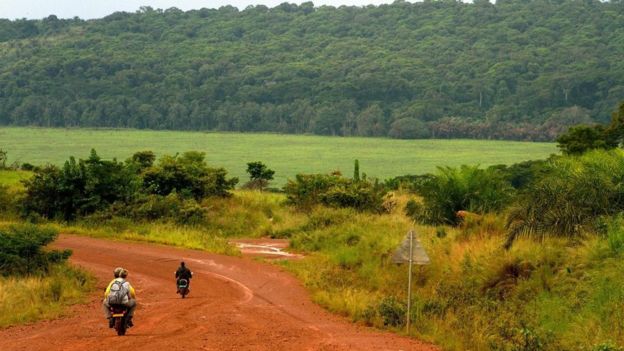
[124, 273]
[117, 272]
[182, 263]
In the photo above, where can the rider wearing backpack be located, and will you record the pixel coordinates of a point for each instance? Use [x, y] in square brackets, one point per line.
[119, 292]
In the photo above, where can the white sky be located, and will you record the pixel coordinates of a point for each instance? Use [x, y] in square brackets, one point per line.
[87, 9]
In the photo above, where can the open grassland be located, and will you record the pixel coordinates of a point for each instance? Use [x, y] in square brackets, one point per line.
[286, 154]
[28, 299]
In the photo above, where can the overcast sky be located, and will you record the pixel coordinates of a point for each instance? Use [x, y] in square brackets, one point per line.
[87, 9]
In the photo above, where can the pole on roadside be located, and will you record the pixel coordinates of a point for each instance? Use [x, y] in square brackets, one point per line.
[409, 278]
[410, 251]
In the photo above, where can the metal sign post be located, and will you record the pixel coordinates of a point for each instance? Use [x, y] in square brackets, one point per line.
[409, 279]
[410, 252]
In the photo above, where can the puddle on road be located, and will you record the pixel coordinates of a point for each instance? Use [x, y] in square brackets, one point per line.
[265, 249]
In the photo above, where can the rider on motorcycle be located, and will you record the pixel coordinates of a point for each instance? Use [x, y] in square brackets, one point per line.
[183, 273]
[128, 299]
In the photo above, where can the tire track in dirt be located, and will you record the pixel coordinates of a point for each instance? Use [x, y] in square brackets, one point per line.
[235, 304]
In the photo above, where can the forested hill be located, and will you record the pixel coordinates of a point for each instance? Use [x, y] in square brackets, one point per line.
[517, 69]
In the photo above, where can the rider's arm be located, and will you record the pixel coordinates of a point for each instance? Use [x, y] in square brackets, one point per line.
[132, 292]
[107, 291]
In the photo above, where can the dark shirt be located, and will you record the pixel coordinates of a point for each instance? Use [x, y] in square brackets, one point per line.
[183, 273]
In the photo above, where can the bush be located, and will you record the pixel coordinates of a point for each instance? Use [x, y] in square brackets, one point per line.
[28, 167]
[335, 191]
[6, 202]
[392, 311]
[187, 175]
[466, 188]
[21, 250]
[570, 199]
[79, 188]
[411, 183]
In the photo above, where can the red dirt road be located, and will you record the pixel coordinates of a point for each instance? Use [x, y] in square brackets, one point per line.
[235, 304]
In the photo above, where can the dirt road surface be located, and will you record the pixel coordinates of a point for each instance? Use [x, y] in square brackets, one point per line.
[234, 304]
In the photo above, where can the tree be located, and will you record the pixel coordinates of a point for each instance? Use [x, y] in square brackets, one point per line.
[259, 175]
[582, 138]
[187, 175]
[409, 128]
[615, 130]
[143, 159]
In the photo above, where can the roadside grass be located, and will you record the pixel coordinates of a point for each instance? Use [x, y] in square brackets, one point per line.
[157, 233]
[549, 295]
[555, 294]
[246, 214]
[288, 155]
[29, 299]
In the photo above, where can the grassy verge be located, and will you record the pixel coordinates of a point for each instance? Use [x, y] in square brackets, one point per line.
[28, 299]
[550, 295]
[158, 233]
[247, 214]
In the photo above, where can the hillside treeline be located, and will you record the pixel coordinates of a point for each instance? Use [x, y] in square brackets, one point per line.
[445, 69]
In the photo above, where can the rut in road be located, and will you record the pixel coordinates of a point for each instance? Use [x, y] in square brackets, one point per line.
[234, 304]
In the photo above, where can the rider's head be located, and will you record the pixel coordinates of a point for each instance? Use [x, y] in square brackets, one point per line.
[124, 273]
[182, 263]
[117, 272]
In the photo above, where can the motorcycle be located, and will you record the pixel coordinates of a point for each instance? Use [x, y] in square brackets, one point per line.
[119, 314]
[183, 287]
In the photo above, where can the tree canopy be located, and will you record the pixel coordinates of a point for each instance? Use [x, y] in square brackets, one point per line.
[512, 70]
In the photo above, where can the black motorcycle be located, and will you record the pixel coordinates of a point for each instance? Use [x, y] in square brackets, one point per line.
[183, 287]
[120, 318]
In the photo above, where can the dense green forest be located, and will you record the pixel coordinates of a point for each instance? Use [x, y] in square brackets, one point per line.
[513, 70]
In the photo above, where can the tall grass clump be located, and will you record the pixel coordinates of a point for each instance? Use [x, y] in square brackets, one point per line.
[26, 299]
[568, 200]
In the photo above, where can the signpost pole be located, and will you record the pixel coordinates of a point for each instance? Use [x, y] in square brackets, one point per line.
[409, 279]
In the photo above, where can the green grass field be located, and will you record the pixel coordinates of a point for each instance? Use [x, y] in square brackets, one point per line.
[286, 154]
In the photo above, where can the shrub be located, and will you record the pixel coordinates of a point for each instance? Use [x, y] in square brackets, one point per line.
[187, 175]
[335, 191]
[569, 200]
[28, 167]
[21, 250]
[392, 311]
[466, 188]
[5, 199]
[411, 183]
[79, 188]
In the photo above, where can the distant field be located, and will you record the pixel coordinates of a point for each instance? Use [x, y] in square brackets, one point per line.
[286, 154]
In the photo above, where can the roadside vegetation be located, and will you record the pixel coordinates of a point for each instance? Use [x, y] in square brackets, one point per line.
[523, 257]
[36, 283]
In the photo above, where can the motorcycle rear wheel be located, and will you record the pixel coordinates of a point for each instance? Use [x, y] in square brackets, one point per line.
[120, 326]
